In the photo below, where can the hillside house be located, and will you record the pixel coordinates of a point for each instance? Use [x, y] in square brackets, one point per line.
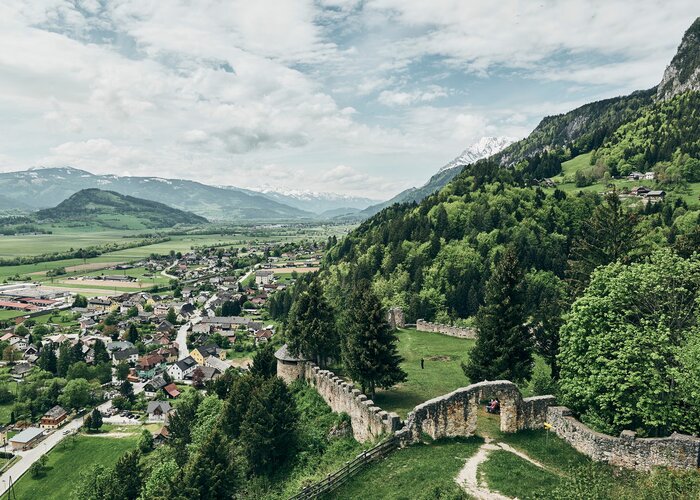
[158, 411]
[151, 388]
[171, 390]
[654, 196]
[263, 336]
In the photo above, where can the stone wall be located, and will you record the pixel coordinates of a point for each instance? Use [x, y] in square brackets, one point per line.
[677, 451]
[368, 420]
[452, 331]
[455, 414]
[396, 318]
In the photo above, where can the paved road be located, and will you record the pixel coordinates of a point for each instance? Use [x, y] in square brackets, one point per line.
[181, 340]
[164, 272]
[31, 456]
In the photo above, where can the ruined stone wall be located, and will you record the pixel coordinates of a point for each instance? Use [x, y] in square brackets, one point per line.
[455, 414]
[368, 420]
[452, 331]
[678, 450]
[396, 318]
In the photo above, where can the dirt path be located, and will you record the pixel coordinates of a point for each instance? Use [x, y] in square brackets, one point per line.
[468, 477]
[116, 435]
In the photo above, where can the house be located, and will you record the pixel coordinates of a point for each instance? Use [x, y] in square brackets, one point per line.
[148, 365]
[264, 276]
[54, 418]
[206, 373]
[21, 370]
[179, 370]
[160, 310]
[172, 391]
[640, 191]
[203, 352]
[86, 323]
[202, 328]
[99, 304]
[169, 353]
[654, 196]
[158, 410]
[215, 362]
[165, 326]
[130, 355]
[263, 336]
[18, 343]
[161, 436]
[154, 385]
[26, 439]
[187, 310]
[259, 301]
[649, 176]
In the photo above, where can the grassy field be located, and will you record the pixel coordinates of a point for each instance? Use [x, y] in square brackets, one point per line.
[422, 471]
[565, 181]
[442, 372]
[67, 460]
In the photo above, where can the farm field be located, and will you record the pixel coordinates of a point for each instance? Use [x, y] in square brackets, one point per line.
[68, 460]
[442, 372]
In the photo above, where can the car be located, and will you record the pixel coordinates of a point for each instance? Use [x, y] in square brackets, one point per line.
[66, 432]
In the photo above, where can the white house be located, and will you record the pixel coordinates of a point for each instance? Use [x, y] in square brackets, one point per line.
[179, 370]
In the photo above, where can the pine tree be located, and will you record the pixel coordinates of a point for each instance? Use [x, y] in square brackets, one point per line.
[96, 418]
[101, 354]
[236, 405]
[171, 316]
[47, 360]
[127, 477]
[269, 426]
[504, 345]
[311, 330]
[65, 359]
[211, 472]
[264, 362]
[133, 334]
[369, 349]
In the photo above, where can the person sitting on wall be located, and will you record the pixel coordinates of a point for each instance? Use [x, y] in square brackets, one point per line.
[494, 406]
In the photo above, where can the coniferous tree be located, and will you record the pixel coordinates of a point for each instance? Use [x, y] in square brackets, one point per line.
[311, 330]
[180, 425]
[171, 316]
[133, 334]
[211, 472]
[269, 426]
[610, 236]
[369, 349]
[127, 477]
[230, 308]
[504, 345]
[96, 419]
[236, 404]
[47, 360]
[65, 359]
[264, 362]
[100, 350]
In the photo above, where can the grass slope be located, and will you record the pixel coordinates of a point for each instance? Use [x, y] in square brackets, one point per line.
[442, 372]
[422, 471]
[95, 207]
[67, 460]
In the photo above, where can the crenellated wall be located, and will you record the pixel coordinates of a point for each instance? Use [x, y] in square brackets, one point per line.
[368, 420]
[452, 331]
[677, 451]
[455, 414]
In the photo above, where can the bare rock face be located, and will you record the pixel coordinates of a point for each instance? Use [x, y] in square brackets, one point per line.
[683, 74]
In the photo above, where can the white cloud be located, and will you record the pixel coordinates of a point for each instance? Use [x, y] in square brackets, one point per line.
[323, 94]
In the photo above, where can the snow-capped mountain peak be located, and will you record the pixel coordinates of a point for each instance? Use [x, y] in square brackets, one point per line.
[485, 147]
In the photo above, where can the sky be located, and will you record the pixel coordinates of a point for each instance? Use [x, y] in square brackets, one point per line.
[359, 97]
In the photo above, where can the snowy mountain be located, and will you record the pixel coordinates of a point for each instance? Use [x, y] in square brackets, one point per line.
[316, 202]
[485, 147]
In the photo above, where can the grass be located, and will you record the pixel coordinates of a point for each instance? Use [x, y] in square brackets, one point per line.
[6, 314]
[442, 372]
[421, 471]
[67, 460]
[512, 476]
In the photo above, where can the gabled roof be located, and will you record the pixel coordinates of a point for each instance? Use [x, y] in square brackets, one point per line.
[164, 407]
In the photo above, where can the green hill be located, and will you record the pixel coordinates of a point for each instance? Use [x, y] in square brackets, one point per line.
[96, 207]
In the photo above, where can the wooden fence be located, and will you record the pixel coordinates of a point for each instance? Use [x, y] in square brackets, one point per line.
[333, 481]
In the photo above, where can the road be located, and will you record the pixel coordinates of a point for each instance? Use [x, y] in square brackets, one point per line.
[181, 340]
[164, 272]
[31, 456]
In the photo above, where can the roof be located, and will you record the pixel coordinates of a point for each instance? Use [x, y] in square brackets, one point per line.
[226, 320]
[172, 390]
[186, 363]
[55, 412]
[27, 435]
[265, 334]
[125, 353]
[215, 362]
[656, 193]
[154, 405]
[283, 354]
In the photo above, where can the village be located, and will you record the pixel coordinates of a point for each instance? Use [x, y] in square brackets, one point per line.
[127, 356]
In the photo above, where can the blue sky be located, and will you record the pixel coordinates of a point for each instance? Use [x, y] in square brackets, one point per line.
[355, 97]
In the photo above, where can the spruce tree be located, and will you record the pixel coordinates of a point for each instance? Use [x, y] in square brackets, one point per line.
[47, 360]
[311, 330]
[133, 334]
[504, 345]
[211, 472]
[370, 354]
[264, 362]
[100, 350]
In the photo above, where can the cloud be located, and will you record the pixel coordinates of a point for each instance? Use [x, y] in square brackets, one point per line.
[346, 95]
